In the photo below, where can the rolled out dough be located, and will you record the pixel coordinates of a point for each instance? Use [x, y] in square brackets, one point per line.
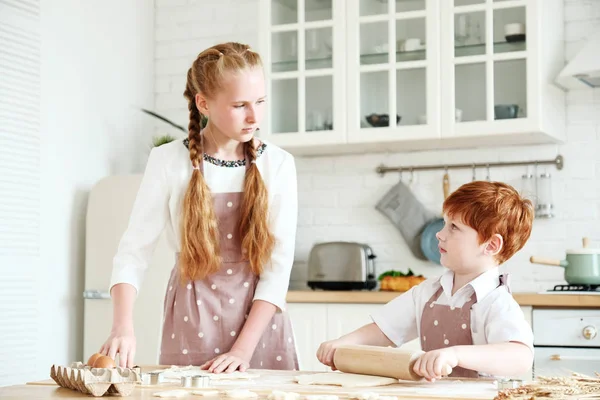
[231, 375]
[176, 373]
[344, 380]
[171, 393]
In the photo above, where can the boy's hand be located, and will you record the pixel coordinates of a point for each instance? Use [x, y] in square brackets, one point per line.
[327, 350]
[433, 364]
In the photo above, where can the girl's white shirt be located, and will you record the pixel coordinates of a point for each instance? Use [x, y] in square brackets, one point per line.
[158, 207]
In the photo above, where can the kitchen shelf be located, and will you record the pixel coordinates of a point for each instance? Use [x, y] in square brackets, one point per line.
[401, 56]
[310, 6]
[499, 47]
[311, 63]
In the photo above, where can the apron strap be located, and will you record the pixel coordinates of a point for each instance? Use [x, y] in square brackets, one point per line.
[505, 281]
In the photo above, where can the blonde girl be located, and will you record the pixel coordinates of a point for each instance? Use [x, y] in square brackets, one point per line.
[228, 202]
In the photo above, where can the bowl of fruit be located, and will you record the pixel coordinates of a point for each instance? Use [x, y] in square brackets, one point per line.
[398, 281]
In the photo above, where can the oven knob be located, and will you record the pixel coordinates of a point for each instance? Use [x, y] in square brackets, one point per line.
[589, 332]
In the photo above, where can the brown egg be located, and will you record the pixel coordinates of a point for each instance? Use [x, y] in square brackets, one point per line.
[93, 359]
[104, 362]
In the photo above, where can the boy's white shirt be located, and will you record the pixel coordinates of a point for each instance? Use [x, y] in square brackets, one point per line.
[495, 318]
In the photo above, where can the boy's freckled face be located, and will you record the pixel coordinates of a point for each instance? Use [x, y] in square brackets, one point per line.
[459, 245]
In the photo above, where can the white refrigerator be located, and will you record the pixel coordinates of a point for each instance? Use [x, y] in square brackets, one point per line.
[109, 206]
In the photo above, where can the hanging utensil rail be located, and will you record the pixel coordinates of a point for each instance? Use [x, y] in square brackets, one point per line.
[559, 162]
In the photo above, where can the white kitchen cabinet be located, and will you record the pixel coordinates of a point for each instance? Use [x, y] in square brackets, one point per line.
[439, 69]
[393, 68]
[528, 314]
[345, 318]
[309, 321]
[304, 53]
[487, 72]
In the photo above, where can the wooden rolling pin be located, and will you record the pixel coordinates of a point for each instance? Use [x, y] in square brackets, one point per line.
[379, 361]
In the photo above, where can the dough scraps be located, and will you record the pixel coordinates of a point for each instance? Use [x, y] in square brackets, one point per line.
[344, 380]
[206, 393]
[280, 395]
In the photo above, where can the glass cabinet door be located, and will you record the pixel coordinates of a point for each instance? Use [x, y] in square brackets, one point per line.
[304, 69]
[485, 49]
[393, 69]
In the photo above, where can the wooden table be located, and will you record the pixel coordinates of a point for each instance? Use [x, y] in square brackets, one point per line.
[278, 380]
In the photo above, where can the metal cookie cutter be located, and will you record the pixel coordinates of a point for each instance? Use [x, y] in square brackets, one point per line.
[509, 383]
[154, 378]
[186, 381]
[200, 381]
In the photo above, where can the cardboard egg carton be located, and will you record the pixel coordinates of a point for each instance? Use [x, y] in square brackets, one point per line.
[96, 381]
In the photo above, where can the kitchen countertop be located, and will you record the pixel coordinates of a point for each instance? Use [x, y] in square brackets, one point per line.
[469, 389]
[380, 297]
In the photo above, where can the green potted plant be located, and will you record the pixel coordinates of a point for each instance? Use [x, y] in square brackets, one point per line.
[167, 138]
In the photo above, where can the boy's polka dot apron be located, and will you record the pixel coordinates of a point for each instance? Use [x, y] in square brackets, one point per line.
[445, 326]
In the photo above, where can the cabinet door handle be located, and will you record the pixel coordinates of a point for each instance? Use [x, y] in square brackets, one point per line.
[558, 357]
[95, 295]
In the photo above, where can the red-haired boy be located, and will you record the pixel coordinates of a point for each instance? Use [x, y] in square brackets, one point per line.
[465, 318]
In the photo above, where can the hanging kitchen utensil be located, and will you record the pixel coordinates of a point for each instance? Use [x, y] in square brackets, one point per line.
[407, 214]
[429, 242]
[544, 207]
[582, 266]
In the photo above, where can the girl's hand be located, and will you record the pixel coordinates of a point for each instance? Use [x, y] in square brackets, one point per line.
[228, 362]
[433, 364]
[121, 341]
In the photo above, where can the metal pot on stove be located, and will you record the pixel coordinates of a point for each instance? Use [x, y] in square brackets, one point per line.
[582, 266]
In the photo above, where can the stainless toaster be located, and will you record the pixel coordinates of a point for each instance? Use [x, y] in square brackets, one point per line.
[341, 266]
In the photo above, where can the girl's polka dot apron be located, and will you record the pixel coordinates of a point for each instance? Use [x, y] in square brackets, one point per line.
[204, 318]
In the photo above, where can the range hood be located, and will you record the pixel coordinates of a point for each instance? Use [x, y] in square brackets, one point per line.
[583, 71]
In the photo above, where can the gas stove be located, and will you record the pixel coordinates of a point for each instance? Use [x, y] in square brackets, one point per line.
[574, 289]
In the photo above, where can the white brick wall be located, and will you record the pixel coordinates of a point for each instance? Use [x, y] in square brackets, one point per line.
[337, 194]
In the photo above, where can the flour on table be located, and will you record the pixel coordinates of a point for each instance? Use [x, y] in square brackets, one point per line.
[171, 393]
[344, 380]
[240, 394]
[206, 393]
[322, 397]
[280, 395]
[370, 396]
[364, 396]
